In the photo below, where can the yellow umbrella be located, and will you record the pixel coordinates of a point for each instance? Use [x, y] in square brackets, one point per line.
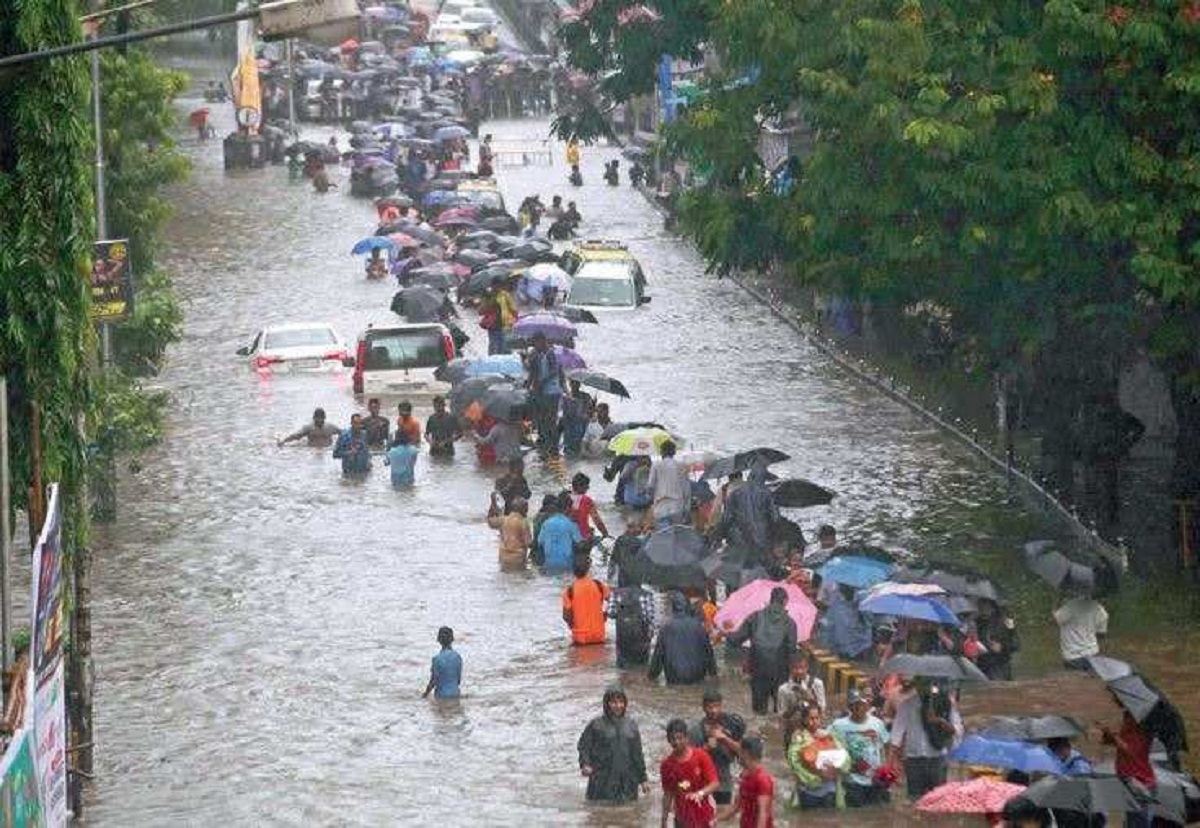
[246, 92]
[639, 442]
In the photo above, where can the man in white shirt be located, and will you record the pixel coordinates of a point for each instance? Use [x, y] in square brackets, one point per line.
[671, 487]
[1081, 623]
[926, 726]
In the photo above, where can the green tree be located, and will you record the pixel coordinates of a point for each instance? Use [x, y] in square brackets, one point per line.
[143, 160]
[46, 336]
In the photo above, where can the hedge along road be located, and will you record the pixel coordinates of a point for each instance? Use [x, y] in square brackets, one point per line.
[264, 628]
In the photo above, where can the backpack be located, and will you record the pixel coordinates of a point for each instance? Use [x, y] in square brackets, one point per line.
[937, 703]
[633, 627]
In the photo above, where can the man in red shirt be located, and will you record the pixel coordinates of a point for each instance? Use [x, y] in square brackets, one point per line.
[755, 799]
[1133, 762]
[688, 779]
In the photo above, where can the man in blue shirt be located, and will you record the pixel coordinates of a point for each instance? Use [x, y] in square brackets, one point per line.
[402, 458]
[445, 673]
[351, 449]
[546, 387]
[557, 539]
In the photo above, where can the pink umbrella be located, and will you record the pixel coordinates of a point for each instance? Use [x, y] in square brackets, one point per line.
[755, 595]
[456, 221]
[569, 360]
[976, 796]
[461, 271]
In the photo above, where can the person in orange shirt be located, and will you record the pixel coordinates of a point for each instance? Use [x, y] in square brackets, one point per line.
[583, 605]
[409, 424]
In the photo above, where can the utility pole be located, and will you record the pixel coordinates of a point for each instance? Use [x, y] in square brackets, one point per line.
[291, 84]
[101, 202]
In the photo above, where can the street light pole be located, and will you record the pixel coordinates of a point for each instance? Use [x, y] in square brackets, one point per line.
[101, 201]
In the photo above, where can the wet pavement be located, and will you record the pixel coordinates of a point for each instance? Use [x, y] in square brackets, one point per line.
[264, 628]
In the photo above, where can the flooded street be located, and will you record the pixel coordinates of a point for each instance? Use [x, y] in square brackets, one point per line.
[264, 628]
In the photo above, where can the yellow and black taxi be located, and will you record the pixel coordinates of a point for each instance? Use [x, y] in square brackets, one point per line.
[605, 276]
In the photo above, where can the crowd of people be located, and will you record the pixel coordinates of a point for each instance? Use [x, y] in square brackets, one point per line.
[844, 751]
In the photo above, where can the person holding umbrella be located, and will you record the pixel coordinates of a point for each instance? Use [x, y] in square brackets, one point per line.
[1133, 763]
[1082, 621]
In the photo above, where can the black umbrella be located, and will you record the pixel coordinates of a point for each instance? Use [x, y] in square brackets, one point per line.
[400, 202]
[1157, 715]
[481, 279]
[419, 304]
[578, 315]
[435, 278]
[730, 568]
[478, 239]
[798, 493]
[599, 381]
[528, 249]
[411, 228]
[472, 389]
[1107, 668]
[956, 668]
[671, 557]
[500, 224]
[453, 372]
[504, 403]
[1080, 794]
[1057, 569]
[1033, 728]
[473, 258]
[743, 461]
[955, 580]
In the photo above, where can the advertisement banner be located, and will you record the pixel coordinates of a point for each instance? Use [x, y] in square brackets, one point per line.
[20, 800]
[50, 750]
[49, 720]
[47, 603]
[111, 280]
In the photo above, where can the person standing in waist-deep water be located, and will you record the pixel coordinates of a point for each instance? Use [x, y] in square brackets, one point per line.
[351, 449]
[317, 434]
[689, 779]
[441, 430]
[610, 753]
[772, 635]
[445, 673]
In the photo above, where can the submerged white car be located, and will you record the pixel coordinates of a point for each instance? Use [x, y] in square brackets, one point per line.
[604, 276]
[299, 346]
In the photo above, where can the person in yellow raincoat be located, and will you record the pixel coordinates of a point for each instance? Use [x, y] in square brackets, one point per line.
[573, 154]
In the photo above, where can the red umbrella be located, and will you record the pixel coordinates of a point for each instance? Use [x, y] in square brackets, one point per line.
[198, 117]
[348, 45]
[976, 796]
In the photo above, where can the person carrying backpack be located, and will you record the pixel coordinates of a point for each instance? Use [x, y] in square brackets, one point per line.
[632, 608]
[926, 726]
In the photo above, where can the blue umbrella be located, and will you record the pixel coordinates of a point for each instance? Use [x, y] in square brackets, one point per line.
[909, 606]
[508, 365]
[373, 243]
[450, 133]
[855, 571]
[1004, 753]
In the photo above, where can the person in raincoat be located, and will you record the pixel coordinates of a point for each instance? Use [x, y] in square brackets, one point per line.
[773, 637]
[682, 650]
[749, 514]
[610, 753]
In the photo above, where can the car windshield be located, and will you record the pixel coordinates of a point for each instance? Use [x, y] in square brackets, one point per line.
[298, 338]
[615, 292]
[398, 350]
